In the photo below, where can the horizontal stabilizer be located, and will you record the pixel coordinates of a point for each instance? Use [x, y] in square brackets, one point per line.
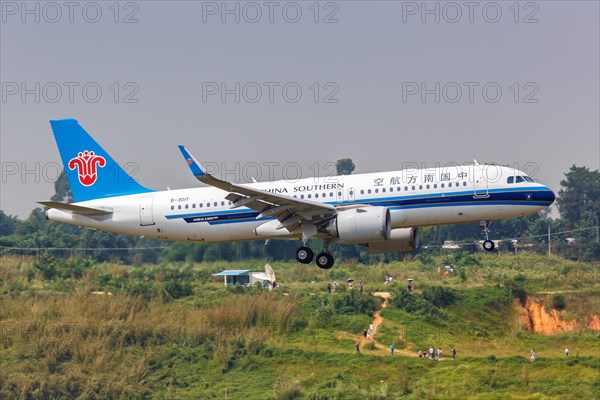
[74, 209]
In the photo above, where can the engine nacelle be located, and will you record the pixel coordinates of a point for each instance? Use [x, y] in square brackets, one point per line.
[361, 225]
[403, 239]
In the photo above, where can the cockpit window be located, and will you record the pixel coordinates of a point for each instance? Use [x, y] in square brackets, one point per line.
[519, 179]
[528, 179]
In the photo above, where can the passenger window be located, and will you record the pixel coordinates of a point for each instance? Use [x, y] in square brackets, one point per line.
[207, 204]
[449, 184]
[376, 190]
[172, 207]
[187, 206]
[362, 191]
[442, 185]
[301, 196]
[194, 205]
[427, 186]
[179, 207]
[369, 191]
[465, 183]
[391, 189]
[435, 185]
[406, 188]
[201, 205]
[420, 187]
[351, 192]
[309, 196]
[215, 204]
[511, 179]
[222, 203]
[413, 187]
[316, 195]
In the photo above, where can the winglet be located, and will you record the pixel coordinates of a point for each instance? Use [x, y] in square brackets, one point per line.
[192, 162]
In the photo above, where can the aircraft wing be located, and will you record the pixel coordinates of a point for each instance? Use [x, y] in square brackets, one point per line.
[290, 211]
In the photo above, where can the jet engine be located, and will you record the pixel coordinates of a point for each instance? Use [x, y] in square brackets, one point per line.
[402, 239]
[361, 225]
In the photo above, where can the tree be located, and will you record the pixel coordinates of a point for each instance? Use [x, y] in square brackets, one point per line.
[344, 166]
[62, 189]
[579, 198]
[8, 224]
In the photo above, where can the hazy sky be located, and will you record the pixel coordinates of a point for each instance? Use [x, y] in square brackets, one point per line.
[381, 82]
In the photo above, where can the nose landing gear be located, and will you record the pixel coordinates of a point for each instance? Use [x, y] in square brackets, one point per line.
[488, 245]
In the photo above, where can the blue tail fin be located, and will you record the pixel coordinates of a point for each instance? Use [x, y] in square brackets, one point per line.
[91, 172]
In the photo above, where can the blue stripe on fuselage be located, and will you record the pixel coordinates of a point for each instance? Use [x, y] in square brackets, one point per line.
[528, 196]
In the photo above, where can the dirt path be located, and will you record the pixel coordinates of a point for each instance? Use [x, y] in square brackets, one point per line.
[377, 321]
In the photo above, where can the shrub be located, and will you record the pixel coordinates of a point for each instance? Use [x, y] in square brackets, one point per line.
[177, 289]
[516, 286]
[558, 301]
[355, 302]
[439, 296]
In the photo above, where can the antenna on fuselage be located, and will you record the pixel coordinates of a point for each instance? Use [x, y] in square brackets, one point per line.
[475, 161]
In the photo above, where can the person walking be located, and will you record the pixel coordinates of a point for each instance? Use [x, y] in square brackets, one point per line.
[566, 352]
[360, 285]
[453, 353]
[439, 354]
[329, 288]
[365, 333]
[431, 352]
[335, 286]
[372, 328]
[532, 355]
[392, 349]
[357, 348]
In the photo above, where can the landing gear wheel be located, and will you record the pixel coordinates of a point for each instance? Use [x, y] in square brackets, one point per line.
[324, 260]
[488, 245]
[304, 255]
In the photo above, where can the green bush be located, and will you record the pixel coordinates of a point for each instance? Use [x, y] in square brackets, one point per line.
[439, 296]
[355, 302]
[178, 289]
[558, 301]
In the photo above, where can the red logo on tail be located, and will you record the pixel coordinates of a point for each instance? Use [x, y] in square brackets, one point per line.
[87, 163]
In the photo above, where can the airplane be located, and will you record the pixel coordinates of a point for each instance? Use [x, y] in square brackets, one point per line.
[382, 211]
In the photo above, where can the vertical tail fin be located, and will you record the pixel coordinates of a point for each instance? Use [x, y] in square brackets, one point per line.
[91, 171]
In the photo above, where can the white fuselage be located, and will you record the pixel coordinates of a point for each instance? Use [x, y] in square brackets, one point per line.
[415, 198]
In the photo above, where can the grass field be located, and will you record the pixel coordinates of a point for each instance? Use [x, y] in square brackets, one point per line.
[173, 331]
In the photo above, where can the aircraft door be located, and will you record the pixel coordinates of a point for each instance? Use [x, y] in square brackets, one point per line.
[480, 182]
[146, 215]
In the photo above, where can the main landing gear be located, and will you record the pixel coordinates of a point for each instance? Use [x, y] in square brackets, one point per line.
[305, 255]
[488, 245]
